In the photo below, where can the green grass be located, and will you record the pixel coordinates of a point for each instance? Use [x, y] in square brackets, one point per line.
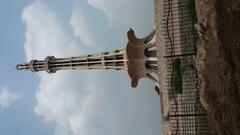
[176, 78]
[191, 9]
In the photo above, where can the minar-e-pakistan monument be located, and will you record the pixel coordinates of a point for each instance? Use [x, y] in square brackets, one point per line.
[138, 58]
[181, 109]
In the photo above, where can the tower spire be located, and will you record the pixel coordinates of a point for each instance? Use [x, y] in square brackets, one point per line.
[138, 58]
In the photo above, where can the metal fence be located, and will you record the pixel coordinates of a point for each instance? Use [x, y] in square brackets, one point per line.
[187, 115]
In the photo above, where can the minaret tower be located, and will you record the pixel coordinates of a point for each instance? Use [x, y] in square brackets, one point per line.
[138, 58]
[116, 60]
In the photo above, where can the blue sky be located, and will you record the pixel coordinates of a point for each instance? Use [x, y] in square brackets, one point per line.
[73, 102]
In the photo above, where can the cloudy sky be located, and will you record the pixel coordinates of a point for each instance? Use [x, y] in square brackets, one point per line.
[84, 102]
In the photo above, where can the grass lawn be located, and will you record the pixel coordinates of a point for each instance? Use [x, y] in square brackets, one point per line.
[191, 9]
[176, 78]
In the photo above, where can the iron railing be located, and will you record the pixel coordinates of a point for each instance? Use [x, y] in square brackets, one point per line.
[187, 115]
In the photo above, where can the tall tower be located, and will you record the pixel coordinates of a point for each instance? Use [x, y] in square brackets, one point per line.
[138, 58]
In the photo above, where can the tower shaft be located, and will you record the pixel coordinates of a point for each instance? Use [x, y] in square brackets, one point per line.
[116, 60]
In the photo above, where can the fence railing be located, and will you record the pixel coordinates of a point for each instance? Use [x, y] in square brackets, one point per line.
[186, 114]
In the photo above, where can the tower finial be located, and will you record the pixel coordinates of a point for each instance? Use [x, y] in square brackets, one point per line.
[22, 66]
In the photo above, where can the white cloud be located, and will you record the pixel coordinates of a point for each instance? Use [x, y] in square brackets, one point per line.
[64, 97]
[7, 97]
[138, 14]
[82, 102]
[99, 4]
[80, 27]
[57, 94]
[45, 34]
